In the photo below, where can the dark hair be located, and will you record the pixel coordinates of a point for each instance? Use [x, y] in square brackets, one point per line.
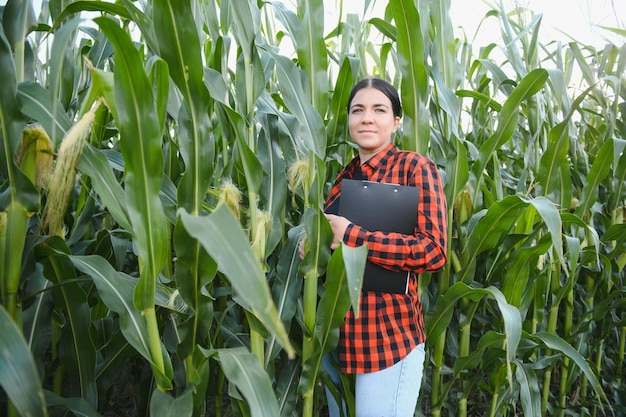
[384, 87]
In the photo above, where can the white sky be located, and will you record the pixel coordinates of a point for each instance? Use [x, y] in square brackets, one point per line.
[578, 18]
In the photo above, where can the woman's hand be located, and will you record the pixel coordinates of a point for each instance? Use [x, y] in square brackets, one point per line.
[339, 225]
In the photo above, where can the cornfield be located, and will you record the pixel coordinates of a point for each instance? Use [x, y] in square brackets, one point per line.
[162, 159]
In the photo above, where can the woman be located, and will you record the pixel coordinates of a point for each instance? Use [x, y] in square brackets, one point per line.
[384, 346]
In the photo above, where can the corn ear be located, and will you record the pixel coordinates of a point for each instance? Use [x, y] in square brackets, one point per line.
[298, 174]
[263, 228]
[230, 195]
[35, 155]
[64, 173]
[463, 206]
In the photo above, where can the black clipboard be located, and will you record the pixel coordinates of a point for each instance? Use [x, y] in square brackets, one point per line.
[381, 207]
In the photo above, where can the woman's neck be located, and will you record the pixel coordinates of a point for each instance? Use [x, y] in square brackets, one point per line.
[367, 154]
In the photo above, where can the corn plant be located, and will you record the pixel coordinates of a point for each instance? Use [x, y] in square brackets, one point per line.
[162, 160]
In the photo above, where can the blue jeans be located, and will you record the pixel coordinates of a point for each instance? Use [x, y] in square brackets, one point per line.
[391, 392]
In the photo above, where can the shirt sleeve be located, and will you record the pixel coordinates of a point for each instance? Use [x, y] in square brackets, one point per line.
[426, 248]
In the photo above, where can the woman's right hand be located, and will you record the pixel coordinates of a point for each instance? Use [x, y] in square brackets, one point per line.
[339, 224]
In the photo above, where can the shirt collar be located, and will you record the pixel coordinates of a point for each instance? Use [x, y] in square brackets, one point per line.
[372, 164]
[376, 161]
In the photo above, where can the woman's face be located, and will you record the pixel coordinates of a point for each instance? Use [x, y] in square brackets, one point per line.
[371, 121]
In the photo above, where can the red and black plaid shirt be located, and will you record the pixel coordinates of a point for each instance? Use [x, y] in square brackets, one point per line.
[391, 325]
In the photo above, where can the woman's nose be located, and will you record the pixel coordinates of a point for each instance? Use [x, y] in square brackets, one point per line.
[367, 116]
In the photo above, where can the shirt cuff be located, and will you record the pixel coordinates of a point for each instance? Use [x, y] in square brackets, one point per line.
[354, 235]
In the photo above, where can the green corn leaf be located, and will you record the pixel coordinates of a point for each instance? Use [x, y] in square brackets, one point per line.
[116, 291]
[243, 369]
[331, 311]
[140, 142]
[36, 102]
[483, 98]
[37, 325]
[160, 77]
[512, 53]
[62, 68]
[195, 270]
[596, 176]
[273, 190]
[312, 53]
[75, 349]
[385, 28]
[246, 19]
[489, 340]
[248, 164]
[508, 117]
[500, 79]
[530, 395]
[443, 49]
[144, 23]
[519, 272]
[250, 77]
[288, 18]
[287, 388]
[336, 130]
[319, 235]
[77, 7]
[18, 196]
[457, 171]
[165, 405]
[588, 71]
[311, 123]
[18, 21]
[550, 215]
[449, 103]
[288, 275]
[102, 86]
[12, 121]
[354, 262]
[216, 85]
[181, 50]
[221, 236]
[76, 405]
[114, 358]
[414, 89]
[95, 164]
[18, 374]
[493, 226]
[591, 233]
[501, 217]
[554, 342]
[619, 180]
[288, 283]
[554, 168]
[439, 320]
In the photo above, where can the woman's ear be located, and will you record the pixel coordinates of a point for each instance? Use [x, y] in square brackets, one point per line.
[396, 124]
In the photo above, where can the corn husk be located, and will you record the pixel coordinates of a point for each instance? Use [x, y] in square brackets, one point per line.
[64, 174]
[230, 195]
[35, 156]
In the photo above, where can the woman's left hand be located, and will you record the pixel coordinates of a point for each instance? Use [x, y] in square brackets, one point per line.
[339, 225]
